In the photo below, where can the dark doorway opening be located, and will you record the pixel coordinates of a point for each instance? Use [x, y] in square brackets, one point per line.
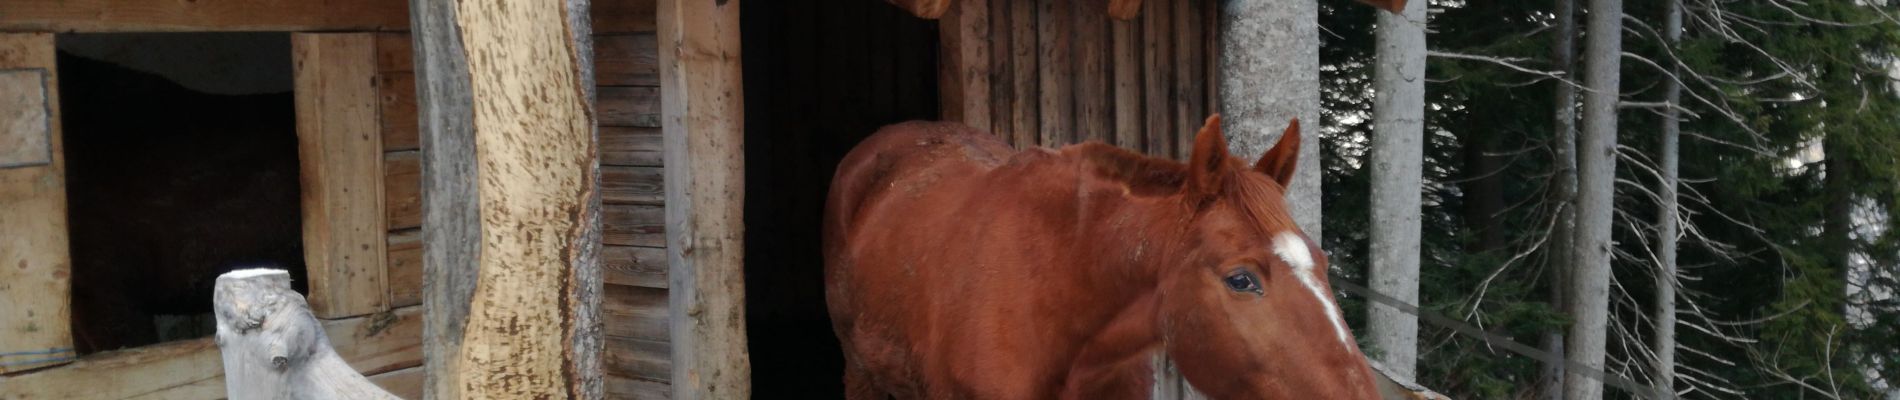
[181, 164]
[817, 81]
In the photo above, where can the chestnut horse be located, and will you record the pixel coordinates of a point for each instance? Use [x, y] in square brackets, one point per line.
[956, 267]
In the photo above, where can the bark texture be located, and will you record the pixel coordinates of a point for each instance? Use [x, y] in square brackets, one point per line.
[1269, 75]
[1397, 168]
[1588, 301]
[1563, 189]
[1664, 341]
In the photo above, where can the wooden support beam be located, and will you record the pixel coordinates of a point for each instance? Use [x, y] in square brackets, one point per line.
[450, 218]
[963, 75]
[511, 216]
[339, 145]
[702, 118]
[35, 280]
[200, 16]
[273, 346]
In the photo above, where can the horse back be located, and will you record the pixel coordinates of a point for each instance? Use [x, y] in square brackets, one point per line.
[909, 220]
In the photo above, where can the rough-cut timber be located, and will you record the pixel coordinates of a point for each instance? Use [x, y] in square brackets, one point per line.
[530, 330]
[451, 228]
[965, 64]
[339, 146]
[273, 347]
[703, 117]
[173, 16]
[1056, 103]
[34, 283]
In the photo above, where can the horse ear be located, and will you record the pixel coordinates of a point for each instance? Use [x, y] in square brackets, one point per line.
[1206, 166]
[1278, 162]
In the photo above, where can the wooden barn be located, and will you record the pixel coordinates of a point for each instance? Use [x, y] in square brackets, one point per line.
[716, 132]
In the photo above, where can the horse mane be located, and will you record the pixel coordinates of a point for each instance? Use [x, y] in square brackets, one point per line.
[1142, 174]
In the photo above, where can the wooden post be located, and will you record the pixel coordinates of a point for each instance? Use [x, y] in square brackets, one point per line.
[963, 77]
[511, 209]
[339, 147]
[273, 347]
[34, 282]
[702, 119]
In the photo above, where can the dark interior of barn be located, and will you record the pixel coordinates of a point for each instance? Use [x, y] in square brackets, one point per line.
[817, 80]
[181, 164]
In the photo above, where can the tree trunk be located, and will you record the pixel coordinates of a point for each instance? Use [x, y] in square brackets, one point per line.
[273, 347]
[512, 201]
[1269, 67]
[1664, 342]
[1397, 167]
[1589, 299]
[1563, 190]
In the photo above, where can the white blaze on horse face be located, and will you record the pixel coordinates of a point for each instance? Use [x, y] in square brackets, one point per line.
[1291, 248]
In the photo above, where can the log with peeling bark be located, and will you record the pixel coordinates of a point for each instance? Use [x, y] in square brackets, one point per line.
[274, 348]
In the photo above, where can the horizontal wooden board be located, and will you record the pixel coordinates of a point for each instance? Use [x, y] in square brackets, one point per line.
[635, 313]
[626, 60]
[405, 383]
[634, 266]
[191, 369]
[633, 225]
[194, 369]
[632, 185]
[379, 342]
[402, 189]
[176, 16]
[394, 53]
[624, 16]
[405, 268]
[629, 106]
[630, 146]
[638, 389]
[396, 94]
[641, 359]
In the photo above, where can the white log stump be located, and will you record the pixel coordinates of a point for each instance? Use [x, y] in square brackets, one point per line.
[274, 348]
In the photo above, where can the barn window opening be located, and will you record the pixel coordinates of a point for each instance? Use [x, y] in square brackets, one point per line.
[181, 164]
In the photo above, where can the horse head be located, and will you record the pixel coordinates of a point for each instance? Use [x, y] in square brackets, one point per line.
[1248, 313]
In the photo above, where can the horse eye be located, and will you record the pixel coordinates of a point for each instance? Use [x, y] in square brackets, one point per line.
[1243, 281]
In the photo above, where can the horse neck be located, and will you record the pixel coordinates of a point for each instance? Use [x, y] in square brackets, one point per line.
[1131, 239]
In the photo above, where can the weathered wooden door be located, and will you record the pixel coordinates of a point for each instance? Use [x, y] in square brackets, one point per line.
[35, 266]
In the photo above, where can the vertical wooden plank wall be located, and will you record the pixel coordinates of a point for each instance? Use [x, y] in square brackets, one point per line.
[637, 363]
[1061, 71]
[34, 282]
